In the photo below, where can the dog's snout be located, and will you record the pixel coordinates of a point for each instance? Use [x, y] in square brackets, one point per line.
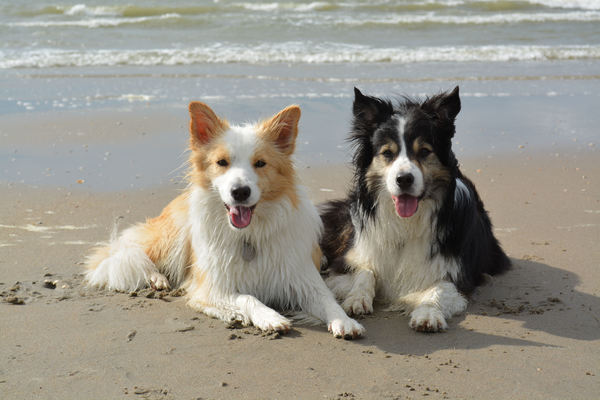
[405, 181]
[240, 193]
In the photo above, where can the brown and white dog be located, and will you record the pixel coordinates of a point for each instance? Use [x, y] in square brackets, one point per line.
[242, 238]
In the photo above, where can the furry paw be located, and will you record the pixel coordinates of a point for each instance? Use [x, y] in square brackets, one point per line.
[159, 282]
[427, 319]
[270, 320]
[235, 317]
[358, 304]
[346, 328]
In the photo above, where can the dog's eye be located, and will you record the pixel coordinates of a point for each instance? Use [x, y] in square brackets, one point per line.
[259, 164]
[222, 163]
[387, 153]
[423, 152]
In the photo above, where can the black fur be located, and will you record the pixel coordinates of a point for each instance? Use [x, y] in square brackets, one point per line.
[463, 228]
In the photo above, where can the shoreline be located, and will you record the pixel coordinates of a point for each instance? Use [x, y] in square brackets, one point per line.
[140, 146]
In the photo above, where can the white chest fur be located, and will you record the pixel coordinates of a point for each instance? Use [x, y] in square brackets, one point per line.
[401, 251]
[280, 237]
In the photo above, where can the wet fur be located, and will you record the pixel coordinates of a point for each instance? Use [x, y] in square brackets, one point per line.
[423, 265]
[228, 272]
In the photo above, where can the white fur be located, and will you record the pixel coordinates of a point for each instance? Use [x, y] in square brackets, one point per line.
[126, 268]
[241, 142]
[433, 306]
[402, 165]
[281, 275]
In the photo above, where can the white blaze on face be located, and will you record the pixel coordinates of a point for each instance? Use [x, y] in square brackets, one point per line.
[241, 142]
[402, 165]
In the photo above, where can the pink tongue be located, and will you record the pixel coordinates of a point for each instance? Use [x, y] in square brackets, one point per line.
[406, 205]
[240, 216]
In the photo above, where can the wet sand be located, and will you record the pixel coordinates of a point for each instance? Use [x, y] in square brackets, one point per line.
[532, 333]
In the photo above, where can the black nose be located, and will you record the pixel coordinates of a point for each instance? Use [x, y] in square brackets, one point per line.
[240, 193]
[404, 181]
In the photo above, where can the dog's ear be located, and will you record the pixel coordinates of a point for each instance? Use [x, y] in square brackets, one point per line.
[282, 129]
[370, 110]
[204, 124]
[444, 108]
[448, 104]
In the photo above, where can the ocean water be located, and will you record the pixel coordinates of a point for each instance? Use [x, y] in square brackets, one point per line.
[50, 34]
[529, 71]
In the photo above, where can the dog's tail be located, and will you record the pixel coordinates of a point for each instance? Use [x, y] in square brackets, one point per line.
[122, 264]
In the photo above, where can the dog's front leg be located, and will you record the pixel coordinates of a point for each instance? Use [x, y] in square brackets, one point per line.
[260, 315]
[356, 288]
[322, 305]
[239, 307]
[360, 298]
[432, 307]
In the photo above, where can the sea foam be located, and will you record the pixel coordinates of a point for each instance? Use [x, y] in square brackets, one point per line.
[292, 52]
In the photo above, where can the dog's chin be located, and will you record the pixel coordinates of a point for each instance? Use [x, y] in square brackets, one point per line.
[406, 204]
[240, 216]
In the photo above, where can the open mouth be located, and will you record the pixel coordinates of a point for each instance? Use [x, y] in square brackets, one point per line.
[406, 205]
[240, 216]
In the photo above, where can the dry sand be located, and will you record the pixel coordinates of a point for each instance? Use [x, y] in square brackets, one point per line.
[533, 333]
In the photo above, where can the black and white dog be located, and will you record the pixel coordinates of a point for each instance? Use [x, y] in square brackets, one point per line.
[412, 232]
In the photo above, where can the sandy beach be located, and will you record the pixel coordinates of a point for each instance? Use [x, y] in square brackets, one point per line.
[94, 127]
[532, 333]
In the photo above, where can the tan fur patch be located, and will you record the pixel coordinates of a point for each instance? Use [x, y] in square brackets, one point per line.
[434, 171]
[344, 240]
[419, 144]
[278, 177]
[376, 172]
[203, 161]
[205, 129]
[316, 255]
[159, 235]
[98, 255]
[379, 165]
[196, 287]
[391, 146]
